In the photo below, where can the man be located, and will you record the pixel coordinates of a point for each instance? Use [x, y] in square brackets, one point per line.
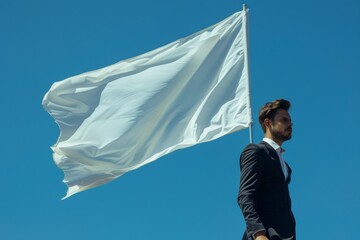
[264, 194]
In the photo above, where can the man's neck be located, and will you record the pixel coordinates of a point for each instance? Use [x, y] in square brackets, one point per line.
[268, 135]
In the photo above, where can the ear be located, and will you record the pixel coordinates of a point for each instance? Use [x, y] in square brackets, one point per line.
[267, 123]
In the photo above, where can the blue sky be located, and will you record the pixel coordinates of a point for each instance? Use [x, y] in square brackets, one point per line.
[304, 51]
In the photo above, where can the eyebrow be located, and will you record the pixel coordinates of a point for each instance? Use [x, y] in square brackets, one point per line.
[286, 118]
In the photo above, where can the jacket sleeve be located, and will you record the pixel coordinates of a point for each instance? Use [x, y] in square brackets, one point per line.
[251, 167]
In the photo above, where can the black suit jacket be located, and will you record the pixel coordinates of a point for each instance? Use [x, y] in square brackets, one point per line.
[264, 194]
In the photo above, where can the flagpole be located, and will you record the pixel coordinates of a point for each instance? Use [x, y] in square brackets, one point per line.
[246, 62]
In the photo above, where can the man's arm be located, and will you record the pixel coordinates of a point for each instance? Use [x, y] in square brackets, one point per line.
[251, 165]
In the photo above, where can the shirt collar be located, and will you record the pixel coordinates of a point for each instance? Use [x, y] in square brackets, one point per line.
[274, 145]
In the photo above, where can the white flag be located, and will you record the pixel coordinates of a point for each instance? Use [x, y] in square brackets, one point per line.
[118, 118]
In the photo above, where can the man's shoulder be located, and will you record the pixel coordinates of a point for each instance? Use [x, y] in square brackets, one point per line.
[255, 146]
[253, 153]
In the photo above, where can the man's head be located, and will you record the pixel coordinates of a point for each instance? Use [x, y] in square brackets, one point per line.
[275, 120]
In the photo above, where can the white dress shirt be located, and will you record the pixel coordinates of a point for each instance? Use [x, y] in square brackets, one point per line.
[279, 151]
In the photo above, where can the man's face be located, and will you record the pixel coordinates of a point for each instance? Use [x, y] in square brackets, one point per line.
[281, 127]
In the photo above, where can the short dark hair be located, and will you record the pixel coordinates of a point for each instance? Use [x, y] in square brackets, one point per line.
[269, 110]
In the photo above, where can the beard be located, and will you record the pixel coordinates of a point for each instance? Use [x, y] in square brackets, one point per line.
[282, 136]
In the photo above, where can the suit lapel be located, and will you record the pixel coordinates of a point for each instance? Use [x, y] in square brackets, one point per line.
[275, 157]
[289, 173]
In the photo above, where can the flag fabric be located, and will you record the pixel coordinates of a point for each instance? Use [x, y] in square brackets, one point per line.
[121, 117]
